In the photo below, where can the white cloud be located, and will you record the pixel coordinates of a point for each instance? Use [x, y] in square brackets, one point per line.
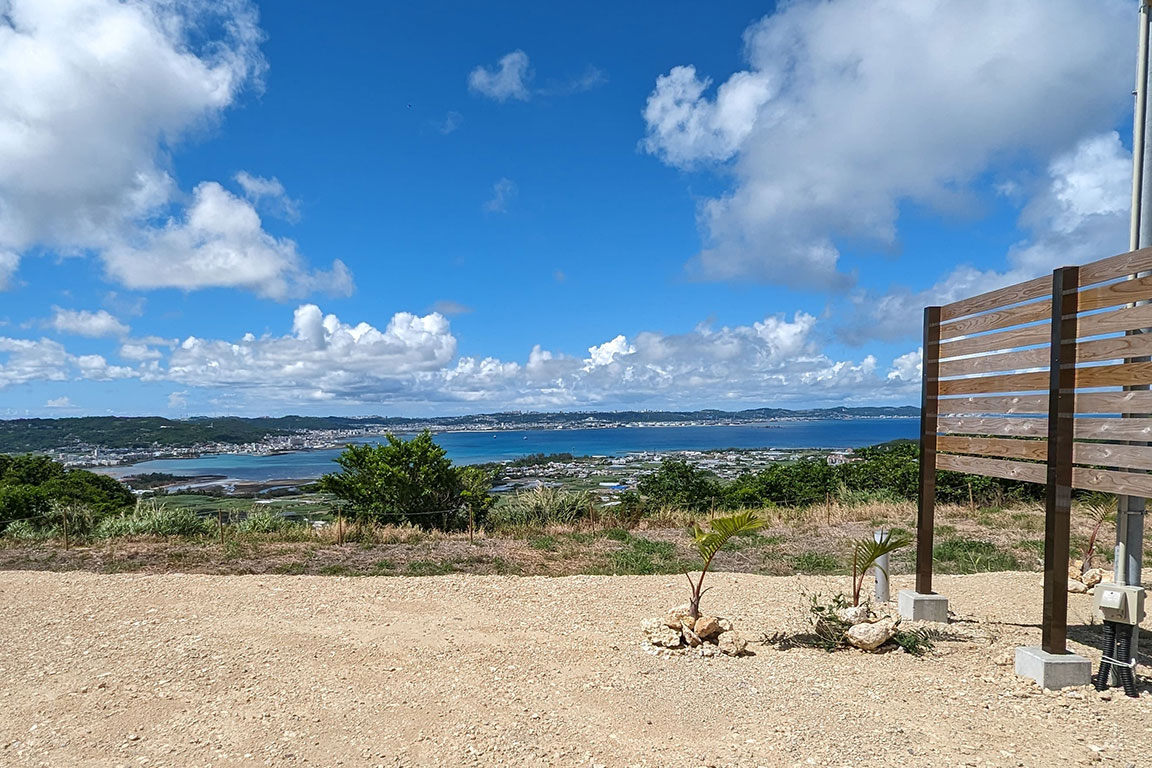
[220, 242]
[451, 122]
[178, 400]
[1078, 212]
[413, 361]
[508, 80]
[59, 403]
[270, 193]
[97, 94]
[23, 361]
[85, 323]
[322, 353]
[826, 134]
[503, 191]
[9, 263]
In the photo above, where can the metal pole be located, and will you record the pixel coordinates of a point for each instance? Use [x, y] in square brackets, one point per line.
[1126, 566]
[881, 570]
[1130, 510]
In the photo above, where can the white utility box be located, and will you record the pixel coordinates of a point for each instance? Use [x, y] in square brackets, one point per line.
[1120, 603]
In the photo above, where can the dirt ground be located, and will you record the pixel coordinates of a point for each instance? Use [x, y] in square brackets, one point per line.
[464, 670]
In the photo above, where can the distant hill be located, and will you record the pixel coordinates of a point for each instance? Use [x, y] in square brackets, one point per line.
[23, 435]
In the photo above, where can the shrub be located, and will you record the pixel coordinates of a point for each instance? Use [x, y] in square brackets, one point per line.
[154, 520]
[972, 556]
[264, 521]
[542, 506]
[815, 562]
[24, 531]
[678, 483]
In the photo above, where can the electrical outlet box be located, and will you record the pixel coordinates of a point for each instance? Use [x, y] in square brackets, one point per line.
[1119, 603]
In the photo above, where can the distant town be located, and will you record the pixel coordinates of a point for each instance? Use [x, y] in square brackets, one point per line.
[114, 441]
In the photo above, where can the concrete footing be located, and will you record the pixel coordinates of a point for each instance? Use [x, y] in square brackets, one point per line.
[1052, 670]
[915, 606]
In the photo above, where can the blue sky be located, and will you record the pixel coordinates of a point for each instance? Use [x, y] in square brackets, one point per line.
[443, 208]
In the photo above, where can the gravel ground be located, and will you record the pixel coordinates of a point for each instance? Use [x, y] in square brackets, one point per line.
[196, 670]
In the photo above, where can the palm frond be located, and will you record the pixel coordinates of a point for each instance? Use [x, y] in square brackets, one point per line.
[866, 552]
[708, 543]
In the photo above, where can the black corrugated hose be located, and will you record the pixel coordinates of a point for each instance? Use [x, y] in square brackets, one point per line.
[1117, 645]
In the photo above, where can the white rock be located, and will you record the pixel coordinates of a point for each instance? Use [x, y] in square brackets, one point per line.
[870, 636]
[660, 634]
[853, 614]
[708, 651]
[725, 625]
[1077, 587]
[706, 627]
[732, 643]
[1092, 577]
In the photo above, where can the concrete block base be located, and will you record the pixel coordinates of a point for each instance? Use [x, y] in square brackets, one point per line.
[1052, 670]
[917, 607]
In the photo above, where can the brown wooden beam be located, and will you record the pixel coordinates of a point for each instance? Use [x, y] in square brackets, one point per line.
[929, 395]
[1058, 501]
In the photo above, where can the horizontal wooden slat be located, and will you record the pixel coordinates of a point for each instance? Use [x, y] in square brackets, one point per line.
[1115, 348]
[999, 404]
[1012, 382]
[1109, 455]
[1118, 375]
[1115, 294]
[1002, 447]
[1086, 427]
[1009, 470]
[1092, 428]
[1114, 402]
[1115, 321]
[992, 425]
[1001, 297]
[1026, 336]
[1005, 361]
[1116, 266]
[1000, 318]
[1111, 481]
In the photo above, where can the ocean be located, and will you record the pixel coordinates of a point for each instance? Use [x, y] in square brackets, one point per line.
[479, 447]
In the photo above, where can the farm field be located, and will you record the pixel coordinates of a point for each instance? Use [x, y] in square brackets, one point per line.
[200, 670]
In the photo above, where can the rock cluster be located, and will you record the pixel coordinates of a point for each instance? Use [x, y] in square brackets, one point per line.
[1081, 581]
[866, 631]
[705, 635]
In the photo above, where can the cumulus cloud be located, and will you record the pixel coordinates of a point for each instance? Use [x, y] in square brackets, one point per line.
[1078, 212]
[220, 241]
[97, 94]
[826, 134]
[507, 80]
[60, 403]
[503, 191]
[270, 193]
[85, 323]
[413, 360]
[23, 361]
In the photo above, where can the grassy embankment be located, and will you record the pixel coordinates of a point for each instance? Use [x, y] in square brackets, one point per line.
[807, 539]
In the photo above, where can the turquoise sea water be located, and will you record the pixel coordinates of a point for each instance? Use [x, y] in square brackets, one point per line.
[478, 447]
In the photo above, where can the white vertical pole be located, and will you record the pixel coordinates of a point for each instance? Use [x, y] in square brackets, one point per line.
[1130, 511]
[881, 571]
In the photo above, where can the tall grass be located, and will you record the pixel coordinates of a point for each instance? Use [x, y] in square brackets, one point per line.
[539, 508]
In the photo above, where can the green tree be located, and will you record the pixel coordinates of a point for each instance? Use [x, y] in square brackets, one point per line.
[676, 483]
[476, 493]
[399, 481]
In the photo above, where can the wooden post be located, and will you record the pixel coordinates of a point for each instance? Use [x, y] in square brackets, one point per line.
[220, 525]
[1061, 417]
[340, 530]
[926, 502]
